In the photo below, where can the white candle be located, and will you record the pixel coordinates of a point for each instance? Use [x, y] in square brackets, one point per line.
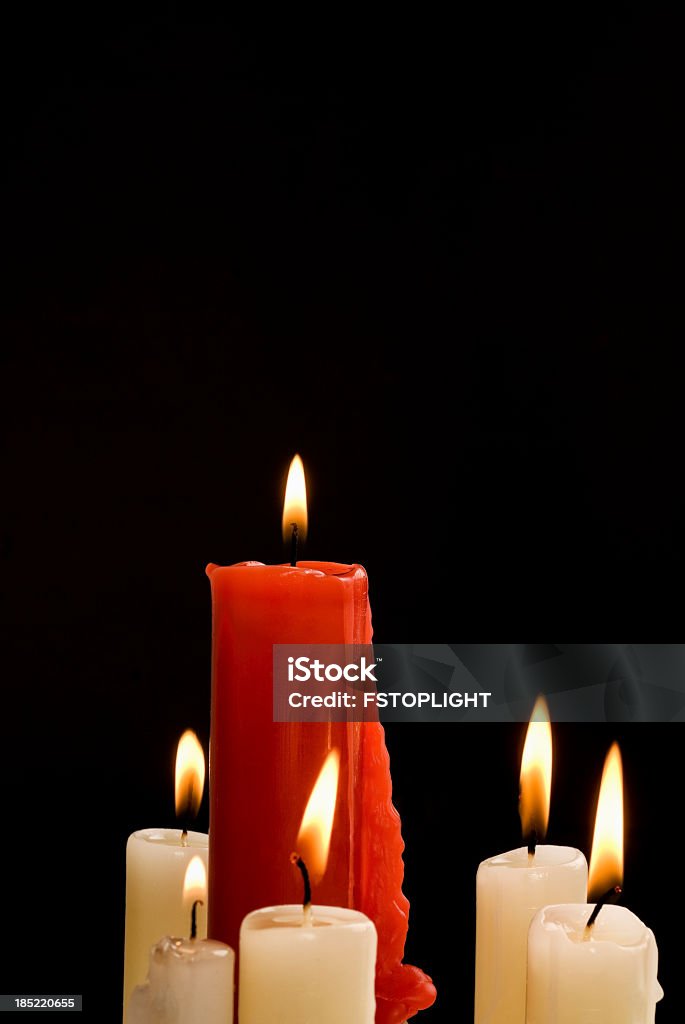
[510, 890]
[156, 863]
[608, 975]
[595, 966]
[304, 965]
[512, 887]
[190, 981]
[292, 971]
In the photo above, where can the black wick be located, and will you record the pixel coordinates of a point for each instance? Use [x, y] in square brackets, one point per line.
[299, 863]
[609, 898]
[294, 540]
[533, 843]
[193, 918]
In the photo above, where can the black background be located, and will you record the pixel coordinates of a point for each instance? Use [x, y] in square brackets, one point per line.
[438, 259]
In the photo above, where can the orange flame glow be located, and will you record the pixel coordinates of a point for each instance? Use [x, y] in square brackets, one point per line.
[195, 882]
[606, 864]
[314, 839]
[536, 773]
[190, 776]
[295, 504]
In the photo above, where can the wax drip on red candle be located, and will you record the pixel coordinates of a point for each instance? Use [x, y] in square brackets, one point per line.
[610, 897]
[294, 541]
[193, 918]
[300, 864]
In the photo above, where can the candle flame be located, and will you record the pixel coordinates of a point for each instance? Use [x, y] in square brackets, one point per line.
[190, 776]
[536, 773]
[195, 882]
[314, 839]
[295, 504]
[606, 864]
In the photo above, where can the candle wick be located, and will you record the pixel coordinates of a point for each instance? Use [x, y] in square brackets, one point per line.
[294, 540]
[193, 918]
[184, 837]
[610, 897]
[532, 844]
[307, 898]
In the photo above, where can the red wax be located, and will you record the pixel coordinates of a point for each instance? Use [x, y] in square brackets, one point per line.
[262, 772]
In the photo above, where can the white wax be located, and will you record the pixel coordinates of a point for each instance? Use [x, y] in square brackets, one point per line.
[608, 977]
[190, 982]
[156, 863]
[291, 973]
[510, 891]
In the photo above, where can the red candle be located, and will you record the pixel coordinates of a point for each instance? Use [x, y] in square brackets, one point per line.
[262, 772]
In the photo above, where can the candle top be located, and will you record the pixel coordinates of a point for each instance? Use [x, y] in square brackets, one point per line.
[292, 917]
[171, 837]
[545, 857]
[616, 925]
[302, 568]
[188, 950]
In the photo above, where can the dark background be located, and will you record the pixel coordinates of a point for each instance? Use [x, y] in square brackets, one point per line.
[438, 259]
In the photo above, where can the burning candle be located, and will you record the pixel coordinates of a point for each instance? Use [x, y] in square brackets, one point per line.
[156, 863]
[511, 888]
[189, 980]
[304, 963]
[262, 771]
[600, 962]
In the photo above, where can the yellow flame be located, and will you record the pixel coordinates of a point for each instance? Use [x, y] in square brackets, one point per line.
[195, 883]
[536, 773]
[314, 839]
[295, 504]
[190, 776]
[606, 864]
